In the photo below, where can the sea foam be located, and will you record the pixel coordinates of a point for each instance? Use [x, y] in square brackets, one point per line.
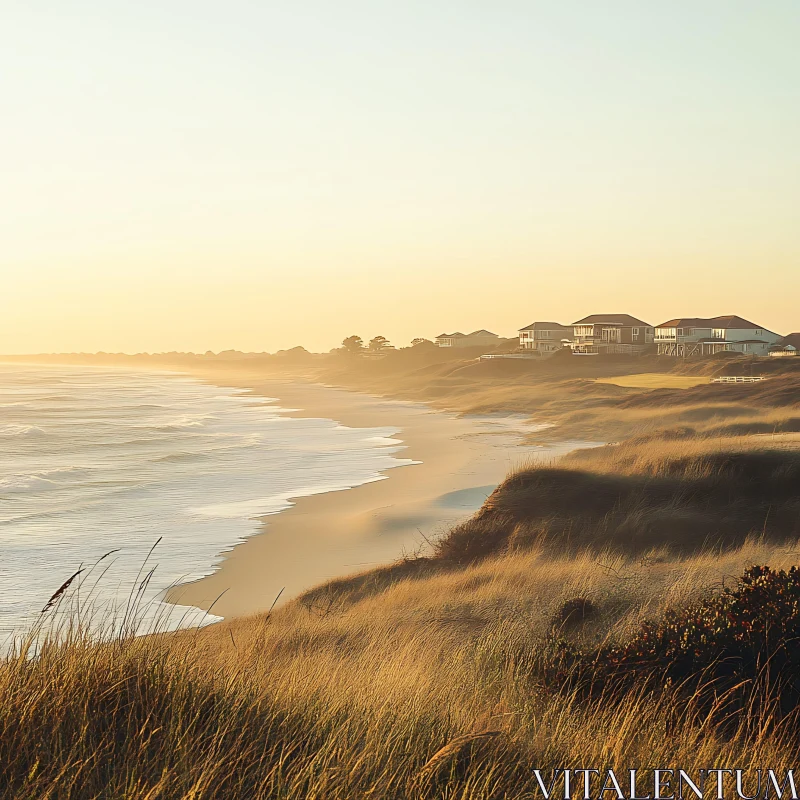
[95, 460]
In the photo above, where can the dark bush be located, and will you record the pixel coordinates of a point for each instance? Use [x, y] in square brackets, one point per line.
[744, 641]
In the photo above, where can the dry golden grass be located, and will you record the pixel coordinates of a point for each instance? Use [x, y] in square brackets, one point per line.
[607, 402]
[658, 454]
[356, 701]
[664, 490]
[602, 421]
[374, 686]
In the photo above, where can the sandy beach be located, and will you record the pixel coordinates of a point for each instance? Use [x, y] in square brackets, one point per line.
[460, 460]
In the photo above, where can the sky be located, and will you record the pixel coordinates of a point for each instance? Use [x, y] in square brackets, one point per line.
[198, 175]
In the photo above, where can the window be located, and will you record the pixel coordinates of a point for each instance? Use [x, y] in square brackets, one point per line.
[610, 334]
[759, 331]
[680, 331]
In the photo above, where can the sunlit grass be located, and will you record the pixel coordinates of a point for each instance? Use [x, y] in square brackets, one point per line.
[355, 701]
[353, 689]
[655, 380]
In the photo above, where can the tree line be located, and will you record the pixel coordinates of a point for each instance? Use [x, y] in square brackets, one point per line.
[355, 344]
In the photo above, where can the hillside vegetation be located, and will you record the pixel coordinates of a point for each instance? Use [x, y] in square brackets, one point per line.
[680, 494]
[600, 611]
[575, 396]
[440, 685]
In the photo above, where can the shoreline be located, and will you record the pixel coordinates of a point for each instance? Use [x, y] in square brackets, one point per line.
[458, 461]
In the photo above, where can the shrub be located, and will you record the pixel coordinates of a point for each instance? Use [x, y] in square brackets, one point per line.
[744, 641]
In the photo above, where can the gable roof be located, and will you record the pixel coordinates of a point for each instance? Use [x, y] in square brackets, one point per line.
[728, 322]
[734, 323]
[687, 322]
[458, 335]
[625, 320]
[791, 339]
[545, 326]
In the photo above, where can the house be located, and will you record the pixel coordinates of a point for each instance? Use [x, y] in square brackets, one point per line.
[683, 336]
[699, 336]
[786, 346]
[481, 338]
[544, 337]
[610, 334]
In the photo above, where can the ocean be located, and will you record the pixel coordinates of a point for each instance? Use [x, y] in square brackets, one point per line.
[94, 460]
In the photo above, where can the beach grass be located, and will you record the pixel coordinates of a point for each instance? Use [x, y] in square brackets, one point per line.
[433, 677]
[428, 678]
[430, 687]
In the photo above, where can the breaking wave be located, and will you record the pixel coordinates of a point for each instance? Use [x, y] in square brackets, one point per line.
[20, 430]
[95, 460]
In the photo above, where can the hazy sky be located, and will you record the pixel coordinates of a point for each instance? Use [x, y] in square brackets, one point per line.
[197, 174]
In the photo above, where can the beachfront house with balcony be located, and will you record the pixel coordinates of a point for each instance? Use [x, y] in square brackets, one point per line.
[618, 334]
[544, 338]
[683, 336]
[698, 336]
[480, 338]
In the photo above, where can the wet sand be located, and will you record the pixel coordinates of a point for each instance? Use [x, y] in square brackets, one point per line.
[460, 461]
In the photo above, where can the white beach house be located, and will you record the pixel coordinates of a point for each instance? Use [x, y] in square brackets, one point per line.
[700, 336]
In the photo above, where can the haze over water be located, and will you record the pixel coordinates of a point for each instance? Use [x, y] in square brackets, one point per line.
[93, 460]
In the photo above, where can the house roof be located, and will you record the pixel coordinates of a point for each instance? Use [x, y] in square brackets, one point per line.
[728, 322]
[624, 320]
[459, 335]
[687, 322]
[790, 340]
[545, 326]
[733, 322]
